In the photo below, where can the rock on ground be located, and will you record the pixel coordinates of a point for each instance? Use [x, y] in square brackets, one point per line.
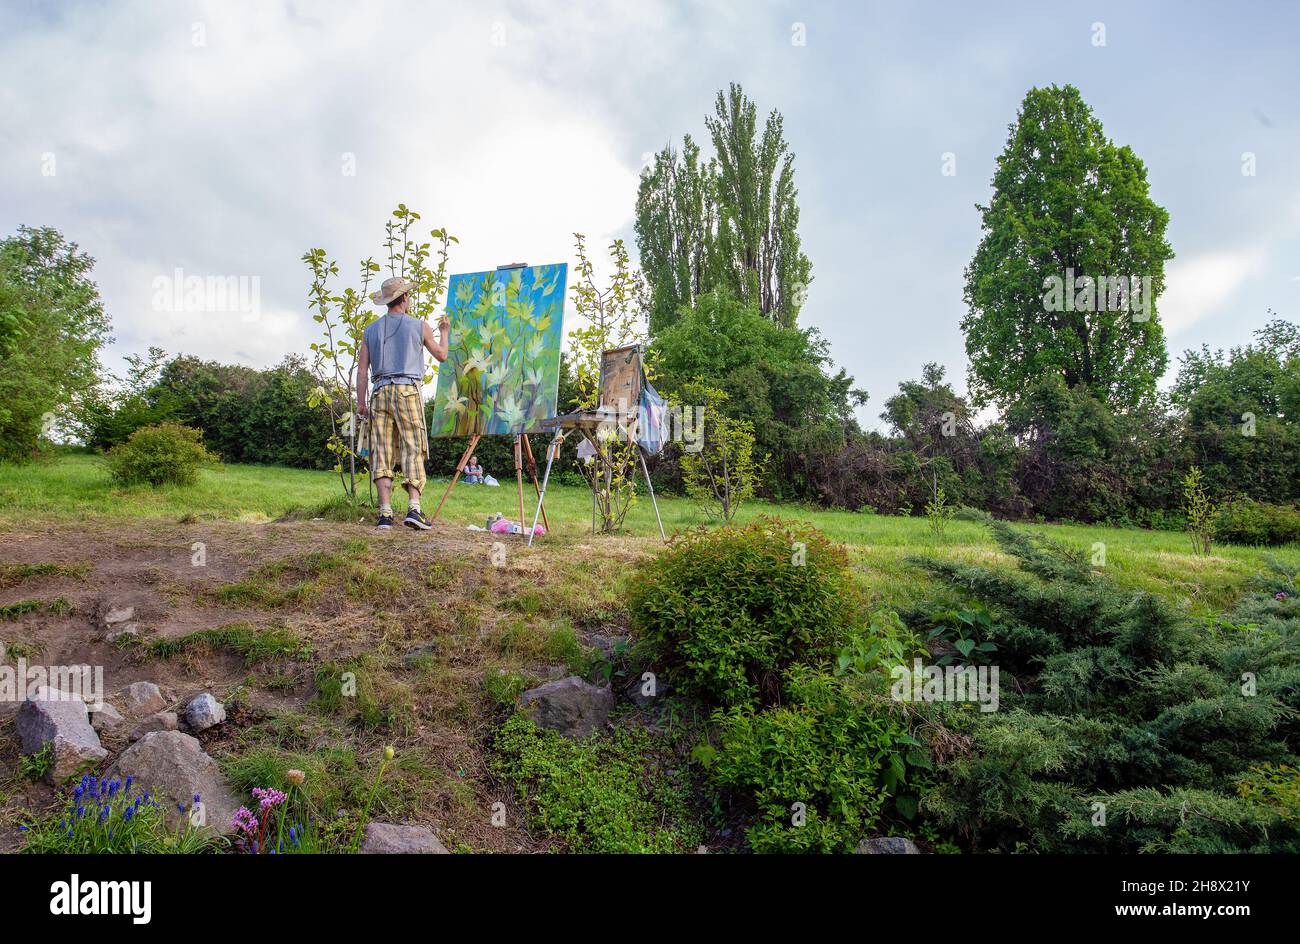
[204, 712]
[107, 720]
[174, 767]
[113, 609]
[162, 721]
[635, 690]
[143, 698]
[390, 839]
[570, 706]
[59, 719]
[118, 631]
[887, 845]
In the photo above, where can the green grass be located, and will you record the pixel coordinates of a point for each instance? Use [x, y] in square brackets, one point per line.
[16, 573]
[1159, 561]
[244, 639]
[56, 607]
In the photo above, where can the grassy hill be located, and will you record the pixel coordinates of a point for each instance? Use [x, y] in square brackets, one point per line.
[439, 636]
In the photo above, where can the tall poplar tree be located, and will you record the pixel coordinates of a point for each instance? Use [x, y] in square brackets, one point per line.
[731, 222]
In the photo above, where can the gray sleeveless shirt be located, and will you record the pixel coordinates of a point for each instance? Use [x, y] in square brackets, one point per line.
[396, 346]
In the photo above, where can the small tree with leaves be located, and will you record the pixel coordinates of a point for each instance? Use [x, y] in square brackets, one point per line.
[937, 509]
[722, 474]
[614, 317]
[343, 317]
[1200, 512]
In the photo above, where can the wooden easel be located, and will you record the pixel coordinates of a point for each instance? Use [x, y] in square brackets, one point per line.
[523, 449]
[621, 376]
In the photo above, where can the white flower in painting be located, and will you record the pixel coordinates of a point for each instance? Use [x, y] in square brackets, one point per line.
[476, 359]
[497, 373]
[455, 402]
[510, 412]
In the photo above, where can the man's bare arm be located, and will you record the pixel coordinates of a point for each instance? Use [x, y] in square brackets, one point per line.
[437, 348]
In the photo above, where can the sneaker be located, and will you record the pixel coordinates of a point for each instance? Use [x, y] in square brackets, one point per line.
[416, 519]
[384, 523]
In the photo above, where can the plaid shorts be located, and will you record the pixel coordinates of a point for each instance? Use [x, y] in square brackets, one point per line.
[397, 433]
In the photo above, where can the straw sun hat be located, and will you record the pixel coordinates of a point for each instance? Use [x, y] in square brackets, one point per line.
[391, 289]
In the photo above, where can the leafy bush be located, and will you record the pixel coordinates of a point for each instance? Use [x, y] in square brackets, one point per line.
[1245, 521]
[597, 795]
[819, 768]
[731, 610]
[166, 454]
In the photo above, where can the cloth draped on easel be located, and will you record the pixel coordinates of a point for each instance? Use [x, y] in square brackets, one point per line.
[653, 411]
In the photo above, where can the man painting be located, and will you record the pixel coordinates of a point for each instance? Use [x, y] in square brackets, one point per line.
[392, 355]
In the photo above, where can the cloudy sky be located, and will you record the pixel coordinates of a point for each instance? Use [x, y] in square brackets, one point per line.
[226, 138]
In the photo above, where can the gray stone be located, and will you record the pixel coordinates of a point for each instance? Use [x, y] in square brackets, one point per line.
[143, 698]
[61, 720]
[633, 690]
[174, 767]
[204, 712]
[570, 706]
[390, 839]
[116, 614]
[107, 720]
[119, 632]
[162, 721]
[887, 845]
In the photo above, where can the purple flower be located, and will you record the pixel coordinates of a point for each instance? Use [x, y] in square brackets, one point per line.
[245, 821]
[1280, 596]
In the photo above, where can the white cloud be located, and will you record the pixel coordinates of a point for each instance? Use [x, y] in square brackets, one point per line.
[1197, 286]
[226, 159]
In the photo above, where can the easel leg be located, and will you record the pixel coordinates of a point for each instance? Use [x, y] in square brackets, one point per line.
[519, 480]
[646, 470]
[551, 452]
[532, 468]
[460, 467]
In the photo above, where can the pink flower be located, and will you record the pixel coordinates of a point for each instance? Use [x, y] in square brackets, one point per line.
[269, 797]
[245, 820]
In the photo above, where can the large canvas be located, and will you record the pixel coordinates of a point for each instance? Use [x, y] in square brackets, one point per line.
[502, 373]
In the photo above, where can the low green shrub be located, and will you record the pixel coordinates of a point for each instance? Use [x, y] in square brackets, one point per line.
[820, 767]
[1245, 521]
[597, 795]
[166, 454]
[732, 609]
[1123, 726]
